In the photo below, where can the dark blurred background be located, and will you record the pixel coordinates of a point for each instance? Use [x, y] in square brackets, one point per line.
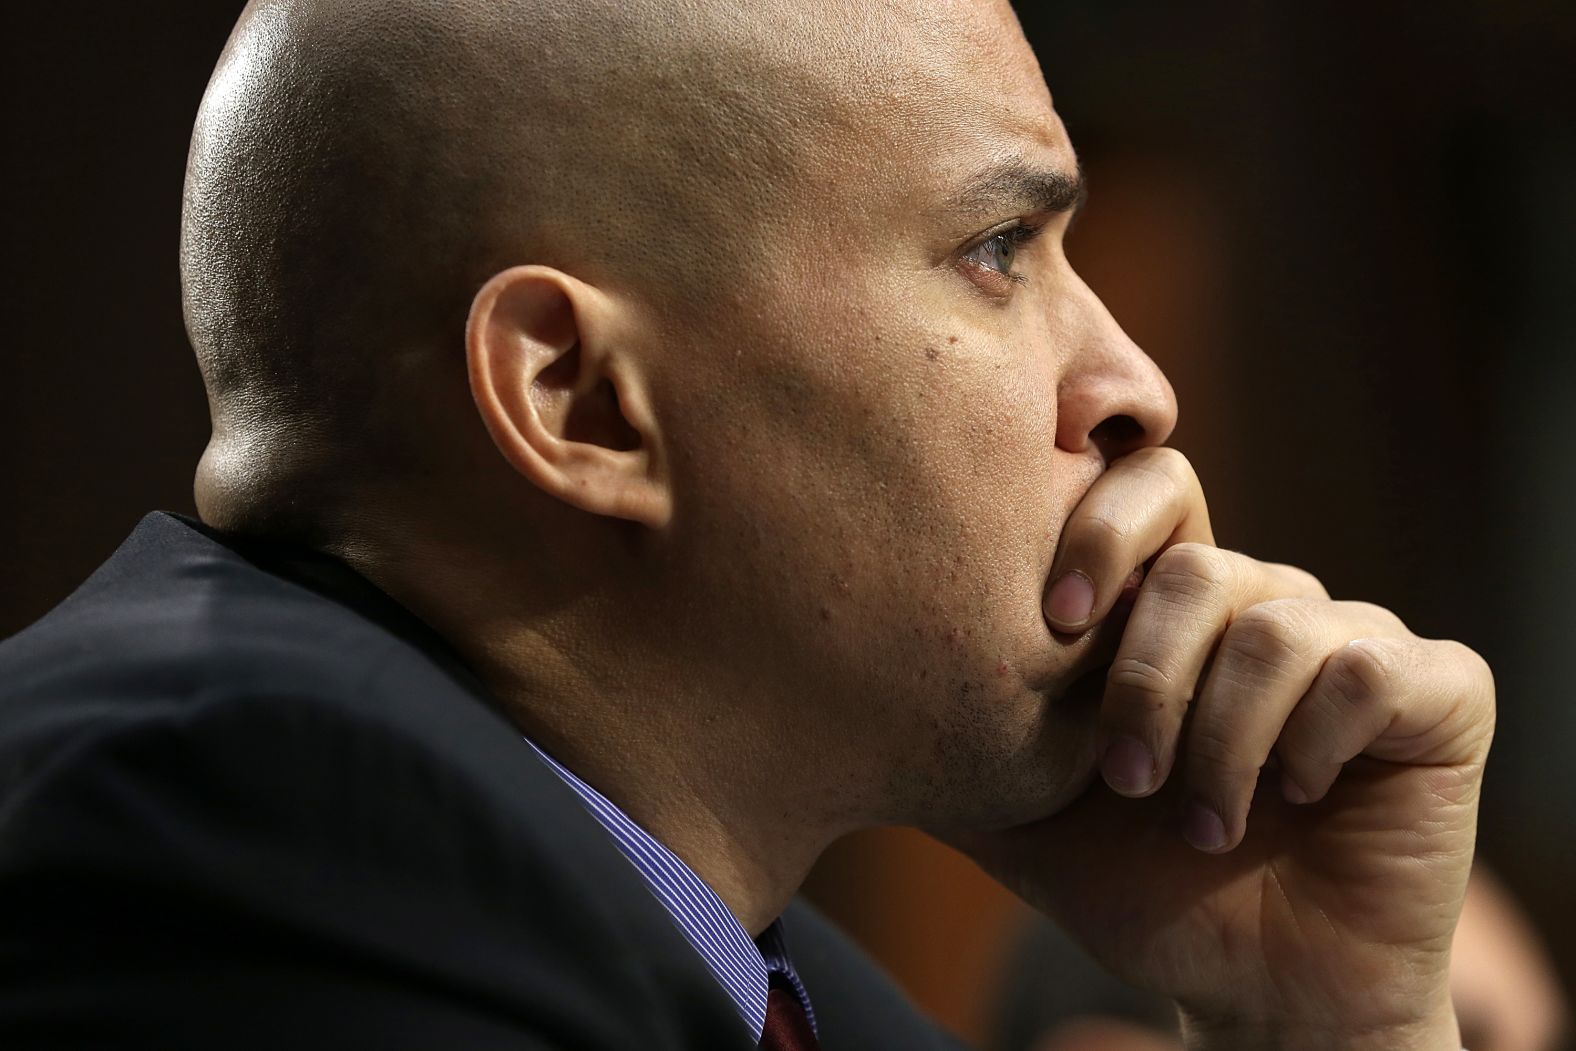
[1346, 231]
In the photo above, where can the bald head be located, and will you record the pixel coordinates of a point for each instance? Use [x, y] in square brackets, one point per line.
[360, 168]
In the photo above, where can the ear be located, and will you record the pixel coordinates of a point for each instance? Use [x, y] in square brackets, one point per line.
[560, 397]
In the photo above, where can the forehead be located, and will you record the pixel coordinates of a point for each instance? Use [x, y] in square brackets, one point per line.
[979, 45]
[951, 89]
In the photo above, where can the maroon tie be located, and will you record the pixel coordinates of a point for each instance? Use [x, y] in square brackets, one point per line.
[787, 1028]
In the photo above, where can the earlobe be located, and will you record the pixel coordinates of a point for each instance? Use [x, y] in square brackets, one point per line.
[560, 397]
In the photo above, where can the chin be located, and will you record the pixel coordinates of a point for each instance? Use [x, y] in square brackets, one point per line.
[1015, 778]
[1073, 784]
[1060, 763]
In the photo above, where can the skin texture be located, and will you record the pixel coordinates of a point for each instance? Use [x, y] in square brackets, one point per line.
[683, 372]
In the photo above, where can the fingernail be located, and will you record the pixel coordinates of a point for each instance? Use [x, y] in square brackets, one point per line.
[1291, 790]
[1203, 828]
[1071, 599]
[1128, 767]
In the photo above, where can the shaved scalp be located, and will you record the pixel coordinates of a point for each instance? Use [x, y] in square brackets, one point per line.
[360, 167]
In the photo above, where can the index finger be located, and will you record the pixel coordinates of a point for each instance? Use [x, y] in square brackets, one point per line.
[1144, 503]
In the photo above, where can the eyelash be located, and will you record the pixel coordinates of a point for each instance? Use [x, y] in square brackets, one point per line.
[1018, 236]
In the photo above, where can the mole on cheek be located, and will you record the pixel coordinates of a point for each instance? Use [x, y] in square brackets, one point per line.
[931, 353]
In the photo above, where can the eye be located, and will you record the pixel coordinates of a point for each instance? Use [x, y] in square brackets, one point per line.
[999, 251]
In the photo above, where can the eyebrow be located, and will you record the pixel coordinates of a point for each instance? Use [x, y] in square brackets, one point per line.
[1015, 186]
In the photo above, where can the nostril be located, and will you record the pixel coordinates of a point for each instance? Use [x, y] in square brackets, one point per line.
[1117, 436]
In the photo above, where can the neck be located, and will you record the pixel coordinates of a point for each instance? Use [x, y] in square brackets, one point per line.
[696, 779]
[714, 773]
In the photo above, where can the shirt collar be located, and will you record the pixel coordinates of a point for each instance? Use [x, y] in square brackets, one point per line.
[743, 966]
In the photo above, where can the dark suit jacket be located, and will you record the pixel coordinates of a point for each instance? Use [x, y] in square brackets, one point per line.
[247, 801]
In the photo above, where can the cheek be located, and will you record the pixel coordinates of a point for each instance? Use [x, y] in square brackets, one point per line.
[891, 504]
[999, 424]
[992, 429]
[935, 506]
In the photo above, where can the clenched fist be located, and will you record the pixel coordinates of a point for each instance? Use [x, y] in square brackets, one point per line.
[1292, 785]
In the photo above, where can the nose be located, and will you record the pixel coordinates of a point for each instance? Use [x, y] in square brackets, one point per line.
[1111, 396]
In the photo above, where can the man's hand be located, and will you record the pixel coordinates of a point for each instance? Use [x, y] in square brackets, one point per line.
[1314, 909]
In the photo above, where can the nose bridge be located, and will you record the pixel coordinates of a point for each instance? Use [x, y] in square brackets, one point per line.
[1111, 394]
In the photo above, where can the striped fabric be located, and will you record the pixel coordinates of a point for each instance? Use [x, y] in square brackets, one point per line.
[744, 967]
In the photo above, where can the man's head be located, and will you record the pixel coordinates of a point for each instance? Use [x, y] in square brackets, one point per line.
[720, 366]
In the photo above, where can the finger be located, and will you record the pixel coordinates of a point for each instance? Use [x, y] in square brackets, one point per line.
[1268, 659]
[1189, 597]
[1403, 700]
[1145, 502]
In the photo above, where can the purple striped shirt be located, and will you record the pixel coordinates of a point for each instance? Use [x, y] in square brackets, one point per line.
[744, 967]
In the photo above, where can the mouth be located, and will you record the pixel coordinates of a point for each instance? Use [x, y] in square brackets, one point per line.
[1104, 639]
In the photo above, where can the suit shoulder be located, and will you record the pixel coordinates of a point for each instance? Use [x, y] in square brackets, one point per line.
[174, 622]
[177, 622]
[445, 866]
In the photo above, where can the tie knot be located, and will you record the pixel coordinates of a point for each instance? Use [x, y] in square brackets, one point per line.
[787, 1026]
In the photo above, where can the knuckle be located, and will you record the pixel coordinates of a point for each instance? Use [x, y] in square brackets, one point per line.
[1138, 683]
[1274, 633]
[1360, 672]
[1480, 688]
[1191, 571]
[1300, 579]
[1474, 662]
[1379, 614]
